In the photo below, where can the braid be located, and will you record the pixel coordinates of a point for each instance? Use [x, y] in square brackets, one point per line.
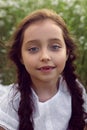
[26, 106]
[77, 121]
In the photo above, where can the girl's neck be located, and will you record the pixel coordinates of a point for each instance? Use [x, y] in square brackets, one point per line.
[45, 90]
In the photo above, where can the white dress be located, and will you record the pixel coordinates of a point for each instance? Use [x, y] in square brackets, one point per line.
[53, 114]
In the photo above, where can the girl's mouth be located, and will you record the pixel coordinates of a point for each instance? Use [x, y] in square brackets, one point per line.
[46, 68]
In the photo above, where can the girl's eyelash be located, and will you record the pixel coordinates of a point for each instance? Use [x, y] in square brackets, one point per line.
[33, 49]
[55, 47]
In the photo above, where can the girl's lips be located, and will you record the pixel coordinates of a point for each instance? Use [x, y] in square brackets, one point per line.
[46, 68]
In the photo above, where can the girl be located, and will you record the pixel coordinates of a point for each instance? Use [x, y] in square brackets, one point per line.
[47, 95]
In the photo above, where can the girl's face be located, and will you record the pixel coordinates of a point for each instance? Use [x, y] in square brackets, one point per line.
[44, 51]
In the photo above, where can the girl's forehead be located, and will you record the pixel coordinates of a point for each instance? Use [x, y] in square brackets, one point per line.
[42, 21]
[39, 24]
[43, 31]
[43, 26]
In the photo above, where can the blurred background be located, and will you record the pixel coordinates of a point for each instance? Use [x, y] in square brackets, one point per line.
[74, 13]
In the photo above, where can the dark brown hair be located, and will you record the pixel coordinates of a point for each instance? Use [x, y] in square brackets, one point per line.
[26, 106]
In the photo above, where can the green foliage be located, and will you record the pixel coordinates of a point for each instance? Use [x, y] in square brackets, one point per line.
[73, 12]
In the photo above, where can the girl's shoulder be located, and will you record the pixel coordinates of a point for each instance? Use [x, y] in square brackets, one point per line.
[9, 92]
[4, 89]
[9, 103]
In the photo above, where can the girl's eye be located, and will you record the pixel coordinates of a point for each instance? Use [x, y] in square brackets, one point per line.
[33, 49]
[55, 47]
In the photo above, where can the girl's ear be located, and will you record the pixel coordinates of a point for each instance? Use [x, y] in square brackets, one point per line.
[67, 54]
[21, 60]
[67, 57]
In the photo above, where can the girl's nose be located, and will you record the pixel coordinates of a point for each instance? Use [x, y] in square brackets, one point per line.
[45, 57]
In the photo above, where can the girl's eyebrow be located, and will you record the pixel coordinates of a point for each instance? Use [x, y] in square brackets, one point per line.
[37, 41]
[30, 42]
[55, 39]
